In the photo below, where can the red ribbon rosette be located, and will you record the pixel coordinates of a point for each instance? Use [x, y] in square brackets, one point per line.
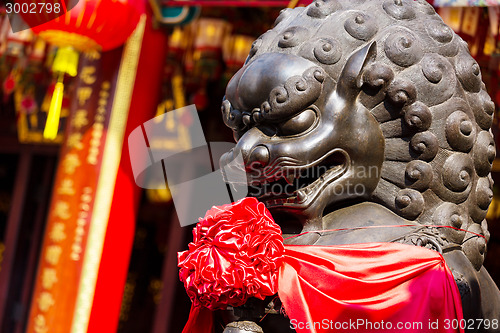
[236, 253]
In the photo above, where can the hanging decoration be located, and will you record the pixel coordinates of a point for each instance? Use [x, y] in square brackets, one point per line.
[13, 57]
[235, 52]
[91, 26]
[209, 35]
[26, 86]
[173, 15]
[199, 55]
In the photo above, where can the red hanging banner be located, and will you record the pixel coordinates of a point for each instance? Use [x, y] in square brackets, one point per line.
[83, 191]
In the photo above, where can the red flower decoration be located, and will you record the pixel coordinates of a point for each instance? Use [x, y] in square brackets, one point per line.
[235, 254]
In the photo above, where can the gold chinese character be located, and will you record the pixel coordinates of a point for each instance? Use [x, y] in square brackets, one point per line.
[103, 98]
[99, 118]
[76, 248]
[71, 162]
[97, 129]
[40, 324]
[79, 232]
[80, 119]
[61, 210]
[66, 187]
[83, 95]
[87, 74]
[53, 254]
[49, 278]
[45, 301]
[75, 141]
[92, 54]
[83, 214]
[86, 197]
[57, 233]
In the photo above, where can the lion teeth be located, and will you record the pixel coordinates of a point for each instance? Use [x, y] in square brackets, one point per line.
[301, 196]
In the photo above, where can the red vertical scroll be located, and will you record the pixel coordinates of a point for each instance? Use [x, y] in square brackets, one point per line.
[83, 191]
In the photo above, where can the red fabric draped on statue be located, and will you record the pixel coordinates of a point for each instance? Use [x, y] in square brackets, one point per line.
[372, 287]
[376, 287]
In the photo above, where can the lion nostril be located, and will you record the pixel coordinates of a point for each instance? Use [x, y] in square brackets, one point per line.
[259, 156]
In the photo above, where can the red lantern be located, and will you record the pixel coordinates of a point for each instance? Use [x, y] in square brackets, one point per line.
[90, 26]
[93, 24]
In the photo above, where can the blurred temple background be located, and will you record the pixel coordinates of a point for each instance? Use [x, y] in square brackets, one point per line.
[82, 247]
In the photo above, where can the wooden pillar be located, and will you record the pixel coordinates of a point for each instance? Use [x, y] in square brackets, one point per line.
[13, 228]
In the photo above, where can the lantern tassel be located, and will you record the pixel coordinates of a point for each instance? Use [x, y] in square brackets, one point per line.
[52, 125]
[65, 62]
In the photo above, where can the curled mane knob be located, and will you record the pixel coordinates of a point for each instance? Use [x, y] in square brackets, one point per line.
[425, 145]
[361, 26]
[402, 92]
[484, 193]
[447, 45]
[378, 76]
[418, 116]
[457, 172]
[255, 47]
[480, 199]
[327, 51]
[483, 108]
[425, 7]
[434, 67]
[419, 175]
[468, 72]
[440, 32]
[293, 36]
[323, 8]
[399, 9]
[488, 105]
[474, 247]
[409, 203]
[284, 13]
[484, 153]
[403, 48]
[460, 131]
[451, 215]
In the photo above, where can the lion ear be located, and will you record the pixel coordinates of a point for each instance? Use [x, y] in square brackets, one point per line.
[350, 80]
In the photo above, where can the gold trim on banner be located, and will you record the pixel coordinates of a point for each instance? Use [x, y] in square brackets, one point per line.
[107, 178]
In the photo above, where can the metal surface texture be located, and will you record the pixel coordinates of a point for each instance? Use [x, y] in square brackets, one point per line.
[366, 112]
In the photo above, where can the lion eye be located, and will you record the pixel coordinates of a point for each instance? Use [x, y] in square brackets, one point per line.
[298, 124]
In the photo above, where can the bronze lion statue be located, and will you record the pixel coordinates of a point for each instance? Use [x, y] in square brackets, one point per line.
[354, 113]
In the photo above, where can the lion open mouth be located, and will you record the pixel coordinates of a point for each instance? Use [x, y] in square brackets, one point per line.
[297, 186]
